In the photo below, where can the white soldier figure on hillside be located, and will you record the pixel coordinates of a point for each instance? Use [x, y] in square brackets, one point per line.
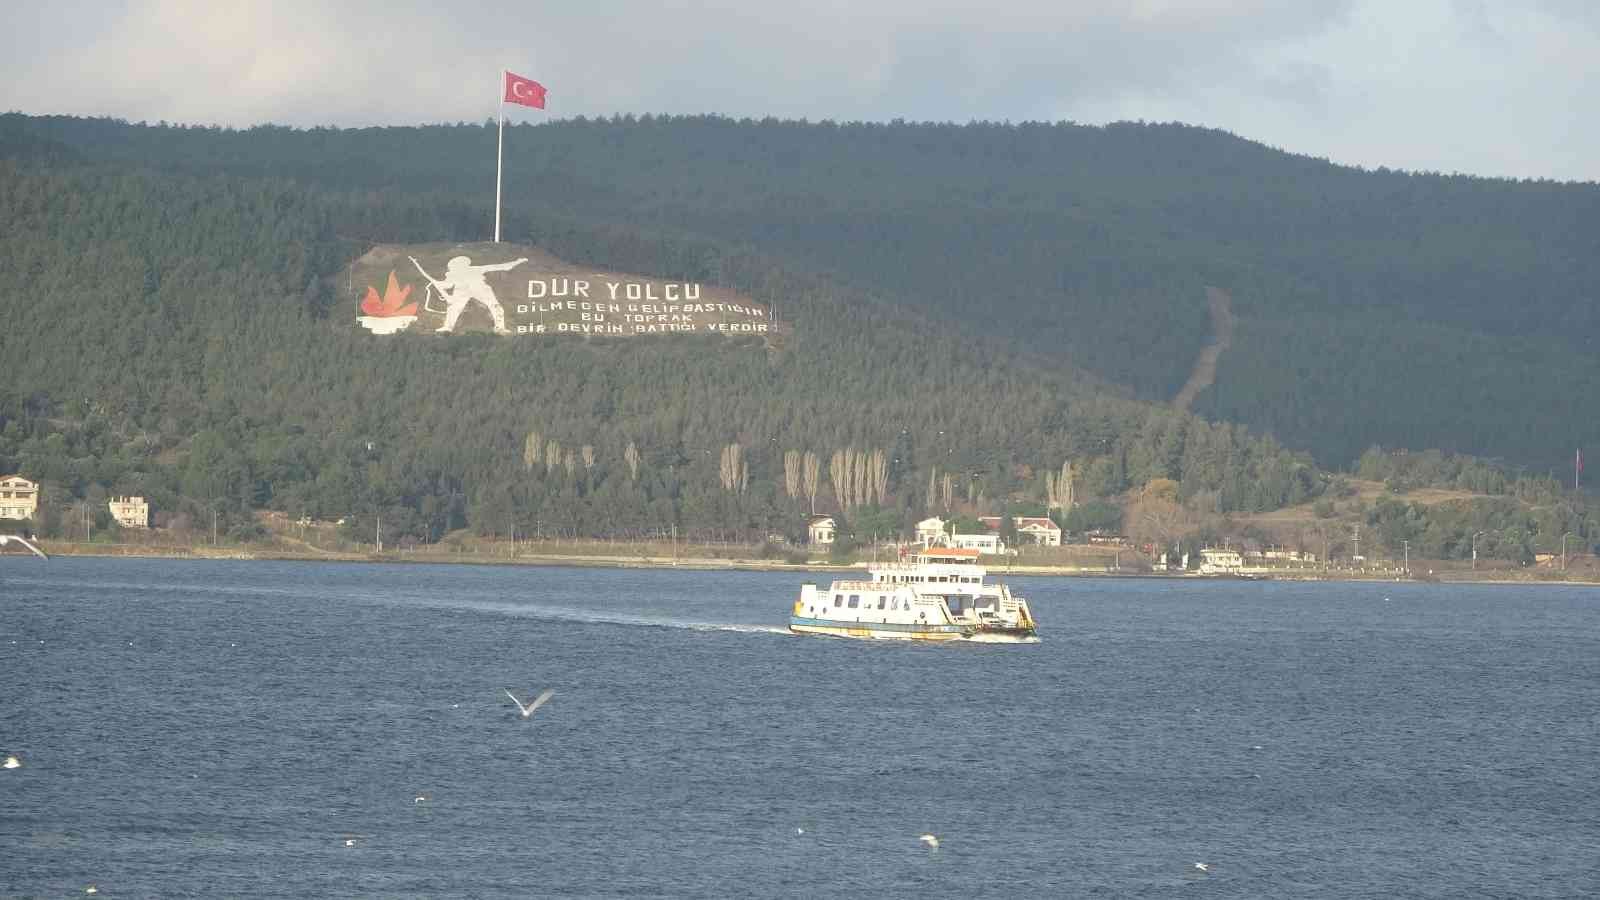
[463, 283]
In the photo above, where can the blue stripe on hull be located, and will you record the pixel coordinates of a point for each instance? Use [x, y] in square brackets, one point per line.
[876, 626]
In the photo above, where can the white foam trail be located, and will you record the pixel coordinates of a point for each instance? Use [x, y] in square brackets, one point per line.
[390, 597]
[743, 629]
[594, 617]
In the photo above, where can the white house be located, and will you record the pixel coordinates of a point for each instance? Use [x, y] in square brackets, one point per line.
[130, 512]
[930, 532]
[1221, 562]
[1038, 529]
[1278, 554]
[983, 543]
[820, 530]
[19, 497]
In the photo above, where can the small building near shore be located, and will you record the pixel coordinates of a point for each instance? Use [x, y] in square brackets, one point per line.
[989, 543]
[19, 497]
[1221, 562]
[1038, 529]
[1274, 555]
[820, 531]
[130, 512]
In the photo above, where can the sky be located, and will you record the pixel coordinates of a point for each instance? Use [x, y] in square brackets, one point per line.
[1497, 89]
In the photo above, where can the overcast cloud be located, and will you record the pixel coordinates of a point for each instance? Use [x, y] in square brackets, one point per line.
[1443, 85]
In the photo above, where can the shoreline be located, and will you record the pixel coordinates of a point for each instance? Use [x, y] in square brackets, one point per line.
[704, 563]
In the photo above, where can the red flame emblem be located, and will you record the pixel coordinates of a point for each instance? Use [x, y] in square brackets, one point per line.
[393, 302]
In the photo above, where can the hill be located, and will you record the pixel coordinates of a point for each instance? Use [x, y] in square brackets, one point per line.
[193, 338]
[1372, 307]
[962, 310]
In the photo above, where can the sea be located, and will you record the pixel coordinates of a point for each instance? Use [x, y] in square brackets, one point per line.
[300, 729]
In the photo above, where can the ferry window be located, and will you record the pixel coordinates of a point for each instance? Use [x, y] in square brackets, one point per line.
[838, 599]
[881, 600]
[855, 600]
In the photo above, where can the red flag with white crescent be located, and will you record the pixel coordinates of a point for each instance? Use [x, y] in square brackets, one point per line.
[525, 91]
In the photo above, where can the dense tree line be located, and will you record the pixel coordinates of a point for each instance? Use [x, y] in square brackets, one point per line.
[1406, 309]
[177, 338]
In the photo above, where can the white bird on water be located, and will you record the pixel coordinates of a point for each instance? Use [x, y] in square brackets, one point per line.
[527, 710]
[930, 840]
[1202, 867]
[12, 762]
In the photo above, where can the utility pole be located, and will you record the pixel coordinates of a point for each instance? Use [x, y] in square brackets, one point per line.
[213, 526]
[377, 533]
[1357, 539]
[1408, 557]
[1475, 550]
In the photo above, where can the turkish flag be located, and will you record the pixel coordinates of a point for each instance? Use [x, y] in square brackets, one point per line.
[525, 91]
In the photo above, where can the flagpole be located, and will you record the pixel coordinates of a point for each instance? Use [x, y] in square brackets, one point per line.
[499, 154]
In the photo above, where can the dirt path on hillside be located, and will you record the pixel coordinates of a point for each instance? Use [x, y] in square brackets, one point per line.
[1205, 366]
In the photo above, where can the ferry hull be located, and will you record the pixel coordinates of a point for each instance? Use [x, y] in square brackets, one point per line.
[894, 632]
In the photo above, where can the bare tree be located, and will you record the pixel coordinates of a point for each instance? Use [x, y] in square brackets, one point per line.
[811, 468]
[880, 477]
[734, 471]
[588, 457]
[1157, 517]
[839, 476]
[948, 486]
[552, 456]
[933, 489]
[791, 473]
[530, 450]
[631, 457]
[570, 463]
[858, 478]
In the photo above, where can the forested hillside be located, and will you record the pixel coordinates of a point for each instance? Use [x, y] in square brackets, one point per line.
[176, 339]
[1373, 307]
[177, 323]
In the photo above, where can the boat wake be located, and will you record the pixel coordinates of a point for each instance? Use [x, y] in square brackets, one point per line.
[596, 617]
[212, 592]
[743, 629]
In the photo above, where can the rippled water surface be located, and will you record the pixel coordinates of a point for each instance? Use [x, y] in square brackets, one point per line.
[223, 728]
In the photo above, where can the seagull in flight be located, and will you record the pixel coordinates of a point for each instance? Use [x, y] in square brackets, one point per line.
[527, 710]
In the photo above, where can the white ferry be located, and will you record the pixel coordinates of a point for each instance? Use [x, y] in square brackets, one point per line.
[937, 595]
